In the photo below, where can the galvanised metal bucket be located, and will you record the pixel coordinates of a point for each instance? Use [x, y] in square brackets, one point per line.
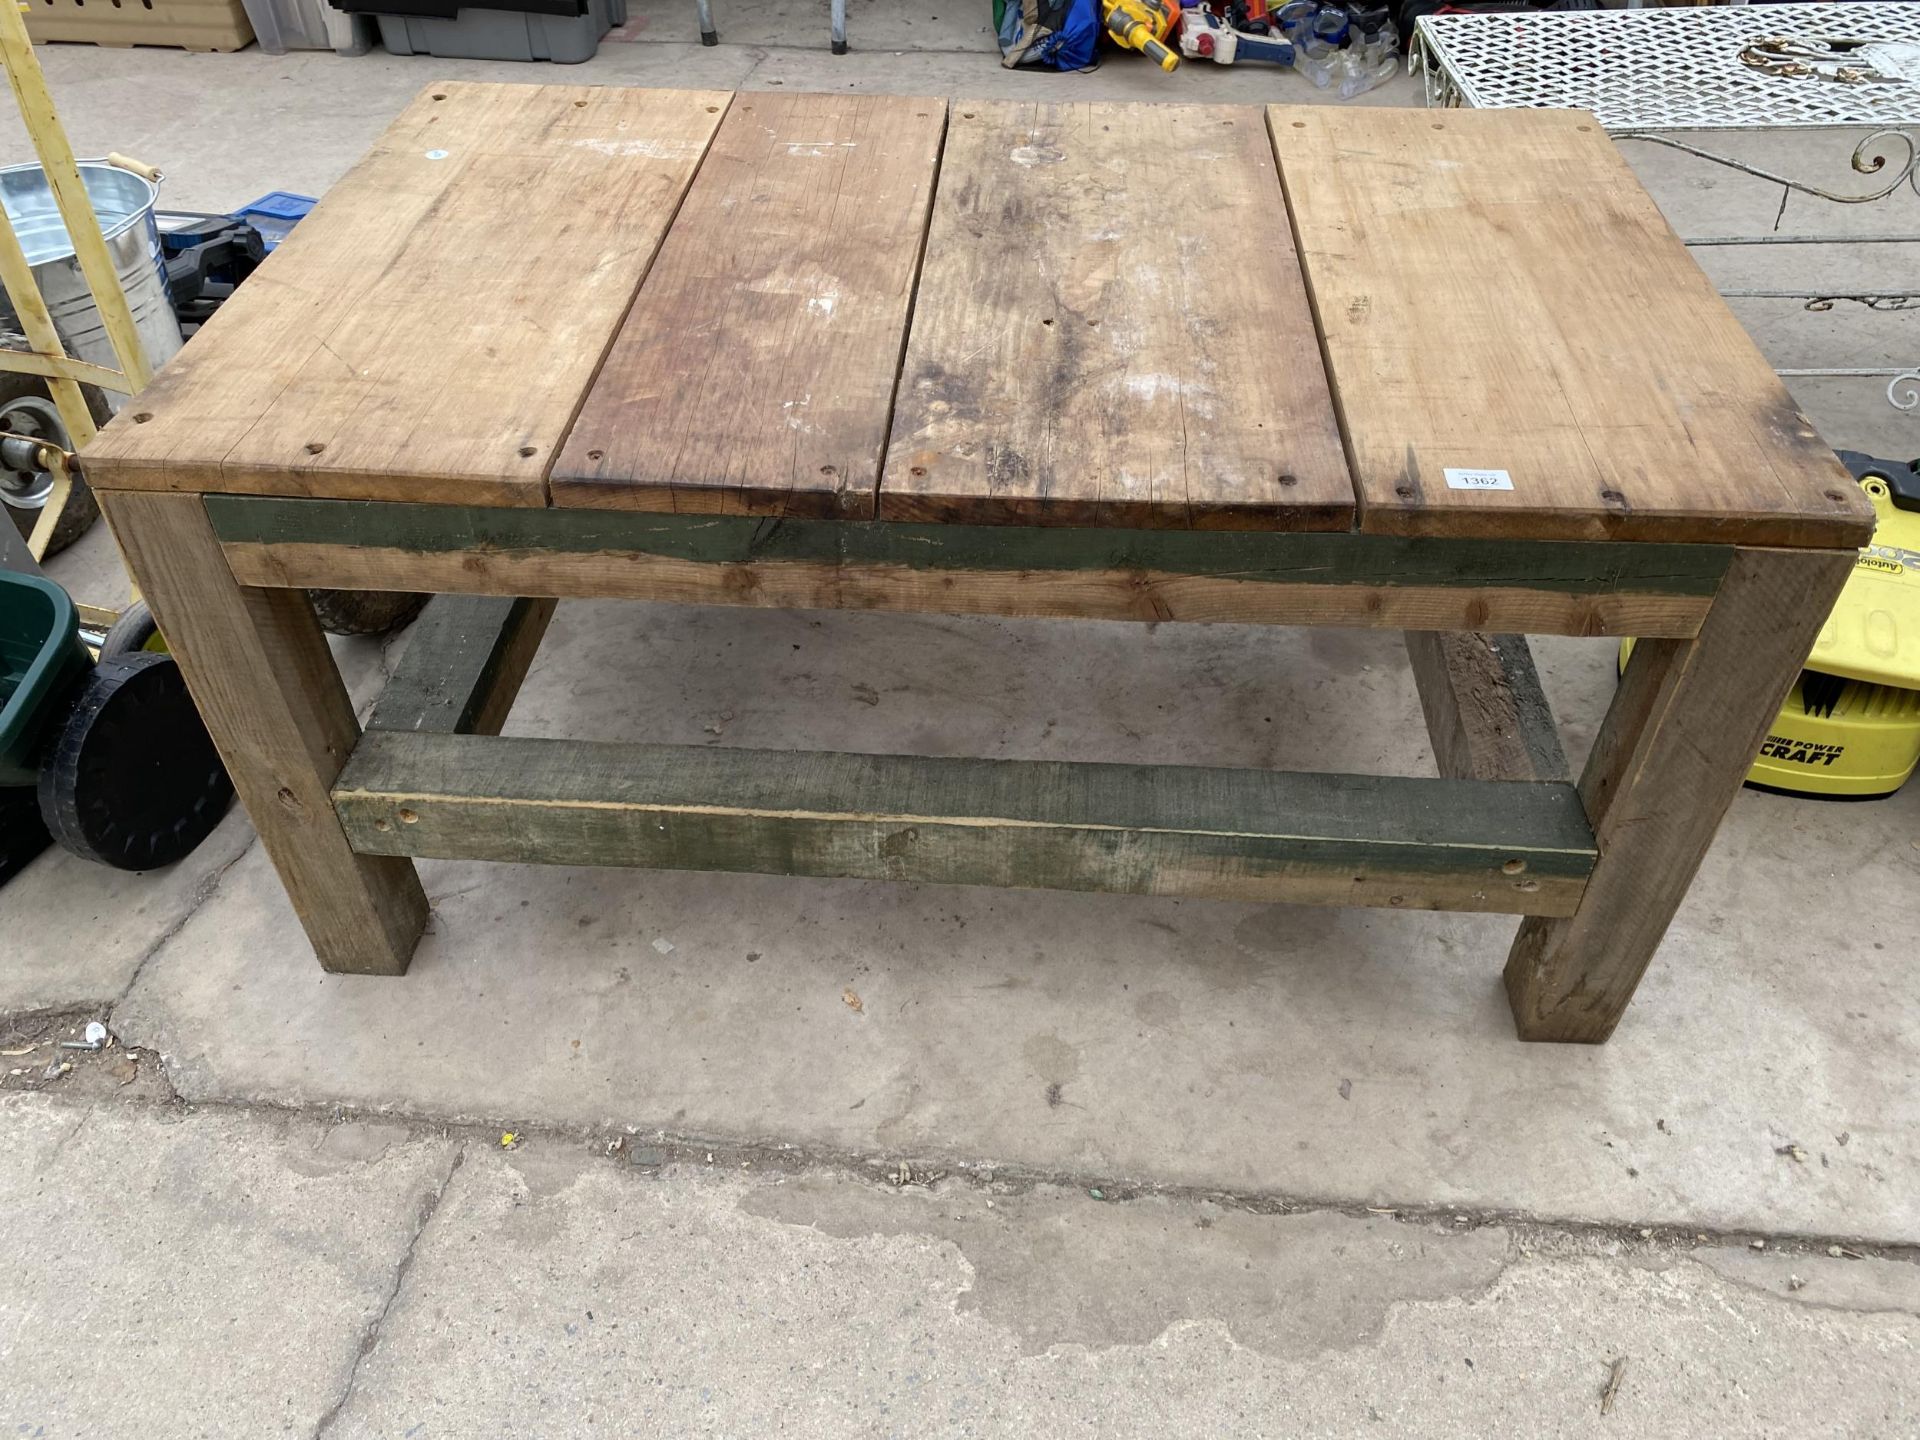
[124, 204]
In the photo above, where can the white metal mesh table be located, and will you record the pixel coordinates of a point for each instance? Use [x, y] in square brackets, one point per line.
[1689, 68]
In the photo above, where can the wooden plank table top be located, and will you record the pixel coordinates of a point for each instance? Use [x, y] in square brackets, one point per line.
[1111, 330]
[1063, 314]
[1503, 305]
[755, 371]
[428, 331]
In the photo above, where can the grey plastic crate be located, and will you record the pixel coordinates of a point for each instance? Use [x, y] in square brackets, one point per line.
[504, 34]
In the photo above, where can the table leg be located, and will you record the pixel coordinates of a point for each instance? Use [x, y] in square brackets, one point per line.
[1669, 759]
[264, 679]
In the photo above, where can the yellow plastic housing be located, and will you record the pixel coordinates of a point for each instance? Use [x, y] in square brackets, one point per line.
[1867, 744]
[1874, 631]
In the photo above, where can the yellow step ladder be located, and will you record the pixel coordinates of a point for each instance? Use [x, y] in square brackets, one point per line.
[46, 356]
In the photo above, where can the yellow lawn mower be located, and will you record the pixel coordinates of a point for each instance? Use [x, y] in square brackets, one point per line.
[1850, 728]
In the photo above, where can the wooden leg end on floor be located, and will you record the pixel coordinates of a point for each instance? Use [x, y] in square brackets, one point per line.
[1552, 997]
[399, 906]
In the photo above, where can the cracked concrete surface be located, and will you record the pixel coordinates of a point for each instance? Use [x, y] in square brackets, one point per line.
[258, 1272]
[950, 1319]
[204, 1277]
[282, 1234]
[1053, 1270]
[428, 1206]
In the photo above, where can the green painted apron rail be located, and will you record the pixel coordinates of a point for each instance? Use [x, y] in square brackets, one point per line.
[1579, 567]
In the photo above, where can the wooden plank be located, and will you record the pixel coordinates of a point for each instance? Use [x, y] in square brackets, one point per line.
[754, 374]
[1253, 577]
[1273, 558]
[264, 679]
[1497, 293]
[1486, 714]
[1146, 595]
[428, 331]
[465, 660]
[1111, 330]
[1135, 829]
[1670, 757]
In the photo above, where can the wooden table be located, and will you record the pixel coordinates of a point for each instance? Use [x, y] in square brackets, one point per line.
[1449, 374]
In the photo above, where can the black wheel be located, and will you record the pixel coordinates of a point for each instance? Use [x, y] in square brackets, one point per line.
[132, 780]
[132, 633]
[27, 408]
[364, 612]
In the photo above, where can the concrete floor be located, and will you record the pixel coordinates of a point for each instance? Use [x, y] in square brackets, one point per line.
[1168, 1167]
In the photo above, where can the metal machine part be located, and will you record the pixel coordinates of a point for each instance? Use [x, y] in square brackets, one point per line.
[27, 424]
[35, 453]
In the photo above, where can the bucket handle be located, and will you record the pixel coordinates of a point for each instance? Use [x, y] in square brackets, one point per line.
[149, 173]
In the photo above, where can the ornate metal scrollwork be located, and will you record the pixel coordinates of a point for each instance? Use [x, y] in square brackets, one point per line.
[1870, 157]
[1903, 391]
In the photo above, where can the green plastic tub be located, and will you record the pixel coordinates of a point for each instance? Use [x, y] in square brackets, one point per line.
[41, 655]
